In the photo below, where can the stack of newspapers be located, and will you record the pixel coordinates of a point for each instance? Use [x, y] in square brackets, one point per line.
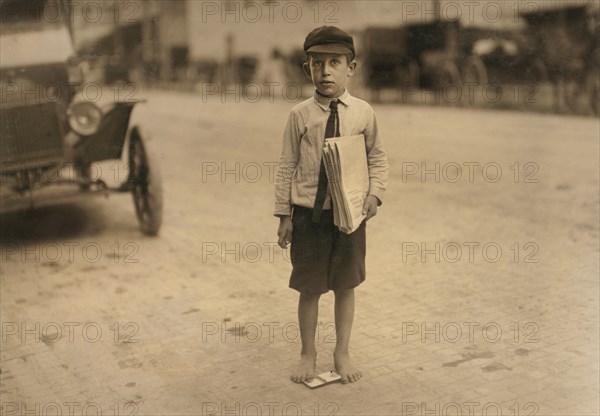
[345, 161]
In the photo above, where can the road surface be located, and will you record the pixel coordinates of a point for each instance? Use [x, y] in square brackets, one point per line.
[481, 291]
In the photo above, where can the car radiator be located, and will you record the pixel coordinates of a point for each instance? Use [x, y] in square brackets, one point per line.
[30, 136]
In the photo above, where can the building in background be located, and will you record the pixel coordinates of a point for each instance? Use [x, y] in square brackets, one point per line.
[429, 42]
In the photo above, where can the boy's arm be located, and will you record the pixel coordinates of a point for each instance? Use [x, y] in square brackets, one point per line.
[290, 155]
[376, 161]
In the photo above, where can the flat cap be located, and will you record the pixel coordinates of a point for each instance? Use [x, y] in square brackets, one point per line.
[329, 39]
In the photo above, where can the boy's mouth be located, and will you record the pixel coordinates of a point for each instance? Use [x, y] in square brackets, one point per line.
[327, 83]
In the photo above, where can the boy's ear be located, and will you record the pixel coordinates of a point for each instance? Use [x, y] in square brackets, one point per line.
[351, 68]
[307, 70]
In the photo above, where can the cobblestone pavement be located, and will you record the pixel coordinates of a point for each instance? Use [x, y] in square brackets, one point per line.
[481, 294]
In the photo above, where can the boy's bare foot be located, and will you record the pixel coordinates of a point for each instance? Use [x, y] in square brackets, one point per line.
[306, 368]
[345, 368]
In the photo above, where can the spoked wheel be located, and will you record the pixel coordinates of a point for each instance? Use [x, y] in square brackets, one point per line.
[409, 76]
[574, 84]
[594, 91]
[475, 71]
[448, 81]
[593, 82]
[146, 186]
[538, 72]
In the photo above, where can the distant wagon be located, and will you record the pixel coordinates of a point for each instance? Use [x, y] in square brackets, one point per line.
[429, 55]
[567, 48]
[557, 46]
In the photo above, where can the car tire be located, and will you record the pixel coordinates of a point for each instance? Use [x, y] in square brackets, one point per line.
[146, 185]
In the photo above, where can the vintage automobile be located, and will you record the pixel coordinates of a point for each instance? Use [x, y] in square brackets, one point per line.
[53, 136]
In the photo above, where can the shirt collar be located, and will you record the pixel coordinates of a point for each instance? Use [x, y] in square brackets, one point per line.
[323, 102]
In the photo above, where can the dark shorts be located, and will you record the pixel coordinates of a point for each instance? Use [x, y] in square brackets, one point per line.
[324, 258]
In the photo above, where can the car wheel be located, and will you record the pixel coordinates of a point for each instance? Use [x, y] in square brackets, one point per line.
[146, 185]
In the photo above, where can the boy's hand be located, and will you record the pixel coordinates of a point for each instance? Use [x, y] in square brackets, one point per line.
[370, 207]
[284, 232]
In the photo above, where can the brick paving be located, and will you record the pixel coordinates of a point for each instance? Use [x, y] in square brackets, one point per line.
[510, 333]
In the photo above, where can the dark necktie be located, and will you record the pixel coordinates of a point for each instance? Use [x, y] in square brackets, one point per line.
[332, 129]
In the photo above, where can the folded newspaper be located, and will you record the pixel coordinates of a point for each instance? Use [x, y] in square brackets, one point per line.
[345, 161]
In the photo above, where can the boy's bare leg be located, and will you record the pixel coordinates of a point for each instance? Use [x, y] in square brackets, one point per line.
[308, 312]
[344, 316]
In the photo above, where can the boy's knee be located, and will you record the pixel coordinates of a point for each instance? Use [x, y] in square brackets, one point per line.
[344, 292]
[310, 296]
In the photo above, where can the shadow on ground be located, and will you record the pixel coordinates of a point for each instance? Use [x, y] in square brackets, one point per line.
[50, 223]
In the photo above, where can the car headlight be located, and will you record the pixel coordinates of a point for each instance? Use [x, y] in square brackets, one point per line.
[84, 118]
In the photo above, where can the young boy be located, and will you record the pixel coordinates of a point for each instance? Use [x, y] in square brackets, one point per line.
[324, 258]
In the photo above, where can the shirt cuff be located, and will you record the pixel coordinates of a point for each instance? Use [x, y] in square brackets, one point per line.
[377, 193]
[283, 210]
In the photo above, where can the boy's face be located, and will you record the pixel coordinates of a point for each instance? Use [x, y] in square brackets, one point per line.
[329, 73]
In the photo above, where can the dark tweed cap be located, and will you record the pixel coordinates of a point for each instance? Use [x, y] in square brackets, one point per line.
[329, 39]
